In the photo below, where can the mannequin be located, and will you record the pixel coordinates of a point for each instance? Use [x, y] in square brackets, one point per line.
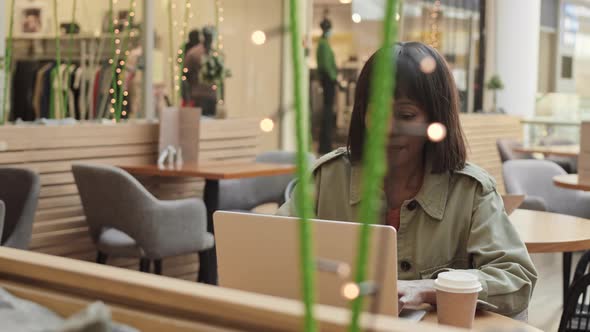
[328, 73]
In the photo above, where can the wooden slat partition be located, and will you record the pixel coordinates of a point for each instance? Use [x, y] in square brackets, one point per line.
[153, 303]
[60, 227]
[482, 131]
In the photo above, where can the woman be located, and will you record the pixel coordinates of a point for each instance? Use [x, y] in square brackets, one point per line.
[447, 212]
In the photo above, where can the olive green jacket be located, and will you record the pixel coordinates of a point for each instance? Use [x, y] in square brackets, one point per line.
[456, 221]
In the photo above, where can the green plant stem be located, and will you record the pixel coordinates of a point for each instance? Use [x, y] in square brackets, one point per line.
[303, 198]
[114, 56]
[7, 65]
[124, 46]
[171, 49]
[71, 32]
[374, 159]
[182, 55]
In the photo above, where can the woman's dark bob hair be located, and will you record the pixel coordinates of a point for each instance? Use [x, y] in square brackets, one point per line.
[435, 92]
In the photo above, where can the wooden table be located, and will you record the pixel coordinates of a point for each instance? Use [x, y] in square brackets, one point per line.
[545, 232]
[212, 172]
[489, 321]
[554, 150]
[570, 181]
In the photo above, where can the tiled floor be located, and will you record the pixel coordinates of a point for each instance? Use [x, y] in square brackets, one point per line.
[547, 302]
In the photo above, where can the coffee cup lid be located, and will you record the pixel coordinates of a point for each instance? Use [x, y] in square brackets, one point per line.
[457, 282]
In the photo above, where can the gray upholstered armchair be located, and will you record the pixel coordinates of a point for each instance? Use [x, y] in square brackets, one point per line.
[246, 194]
[19, 190]
[126, 220]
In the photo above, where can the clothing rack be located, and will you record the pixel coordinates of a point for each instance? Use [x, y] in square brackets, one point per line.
[89, 53]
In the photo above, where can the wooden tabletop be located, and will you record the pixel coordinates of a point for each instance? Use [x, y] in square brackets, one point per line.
[570, 181]
[554, 150]
[544, 232]
[213, 170]
[489, 321]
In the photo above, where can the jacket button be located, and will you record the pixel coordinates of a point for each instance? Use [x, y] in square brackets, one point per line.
[405, 266]
[412, 205]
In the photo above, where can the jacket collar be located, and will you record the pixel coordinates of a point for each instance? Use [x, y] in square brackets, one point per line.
[432, 197]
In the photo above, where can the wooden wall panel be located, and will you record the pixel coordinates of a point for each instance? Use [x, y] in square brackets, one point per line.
[60, 227]
[481, 132]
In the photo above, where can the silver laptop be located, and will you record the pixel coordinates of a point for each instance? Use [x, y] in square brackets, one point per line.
[260, 253]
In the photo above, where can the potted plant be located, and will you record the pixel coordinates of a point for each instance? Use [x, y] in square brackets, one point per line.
[495, 84]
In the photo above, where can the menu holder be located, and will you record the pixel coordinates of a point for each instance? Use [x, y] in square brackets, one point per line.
[584, 157]
[180, 129]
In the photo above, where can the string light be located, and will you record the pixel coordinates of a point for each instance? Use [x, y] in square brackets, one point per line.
[434, 16]
[126, 93]
[124, 112]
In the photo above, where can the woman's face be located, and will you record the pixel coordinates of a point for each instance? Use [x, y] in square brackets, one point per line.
[404, 149]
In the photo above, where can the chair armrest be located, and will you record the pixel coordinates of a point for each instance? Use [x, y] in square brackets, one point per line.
[536, 203]
[175, 227]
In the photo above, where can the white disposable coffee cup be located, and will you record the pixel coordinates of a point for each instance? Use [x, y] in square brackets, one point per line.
[456, 298]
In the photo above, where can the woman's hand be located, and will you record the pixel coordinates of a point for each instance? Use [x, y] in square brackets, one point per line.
[416, 292]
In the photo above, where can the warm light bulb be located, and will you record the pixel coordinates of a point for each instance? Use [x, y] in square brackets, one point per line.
[356, 18]
[126, 93]
[267, 125]
[428, 65]
[436, 132]
[112, 91]
[351, 291]
[345, 1]
[124, 113]
[258, 37]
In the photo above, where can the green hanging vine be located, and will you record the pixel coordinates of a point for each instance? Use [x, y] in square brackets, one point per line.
[122, 65]
[171, 50]
[7, 65]
[374, 159]
[303, 198]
